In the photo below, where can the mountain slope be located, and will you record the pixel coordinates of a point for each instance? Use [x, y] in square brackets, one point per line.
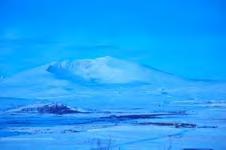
[101, 76]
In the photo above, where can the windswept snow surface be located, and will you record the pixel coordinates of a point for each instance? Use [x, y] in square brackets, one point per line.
[108, 103]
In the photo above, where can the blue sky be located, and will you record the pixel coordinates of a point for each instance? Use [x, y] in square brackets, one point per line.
[186, 38]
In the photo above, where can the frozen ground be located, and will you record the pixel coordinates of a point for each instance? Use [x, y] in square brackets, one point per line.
[190, 125]
[106, 104]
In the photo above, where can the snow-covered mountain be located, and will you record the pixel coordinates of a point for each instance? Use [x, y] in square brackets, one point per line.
[100, 76]
[107, 70]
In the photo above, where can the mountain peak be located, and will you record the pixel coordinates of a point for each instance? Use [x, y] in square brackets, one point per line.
[106, 70]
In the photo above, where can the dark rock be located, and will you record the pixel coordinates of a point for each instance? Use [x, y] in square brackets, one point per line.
[56, 109]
